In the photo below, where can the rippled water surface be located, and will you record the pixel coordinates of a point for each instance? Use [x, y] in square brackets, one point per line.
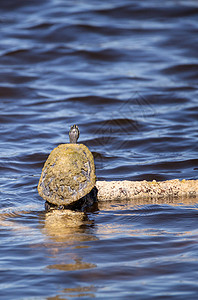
[127, 73]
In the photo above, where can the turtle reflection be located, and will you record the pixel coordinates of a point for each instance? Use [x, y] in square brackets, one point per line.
[68, 231]
[68, 226]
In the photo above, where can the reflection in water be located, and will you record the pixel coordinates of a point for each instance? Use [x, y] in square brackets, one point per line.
[140, 203]
[67, 229]
[67, 226]
[72, 244]
[128, 217]
[11, 217]
[82, 291]
[78, 265]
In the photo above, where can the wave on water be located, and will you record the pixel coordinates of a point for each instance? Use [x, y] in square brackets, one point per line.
[126, 74]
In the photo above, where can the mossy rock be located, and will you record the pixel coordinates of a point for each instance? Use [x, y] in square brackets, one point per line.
[68, 174]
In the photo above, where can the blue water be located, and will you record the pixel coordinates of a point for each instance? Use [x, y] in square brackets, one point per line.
[127, 74]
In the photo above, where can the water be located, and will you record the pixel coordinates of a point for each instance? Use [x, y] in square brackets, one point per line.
[127, 73]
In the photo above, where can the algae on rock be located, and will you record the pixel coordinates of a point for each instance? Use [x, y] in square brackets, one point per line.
[68, 174]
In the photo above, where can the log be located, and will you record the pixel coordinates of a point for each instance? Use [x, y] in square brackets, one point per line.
[134, 190]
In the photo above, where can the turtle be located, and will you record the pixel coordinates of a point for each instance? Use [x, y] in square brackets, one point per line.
[68, 177]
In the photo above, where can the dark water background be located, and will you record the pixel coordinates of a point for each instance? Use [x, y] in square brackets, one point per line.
[127, 73]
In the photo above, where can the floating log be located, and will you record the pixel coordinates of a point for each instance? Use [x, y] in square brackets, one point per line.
[134, 190]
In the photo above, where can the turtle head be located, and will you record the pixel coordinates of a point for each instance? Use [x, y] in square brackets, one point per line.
[74, 134]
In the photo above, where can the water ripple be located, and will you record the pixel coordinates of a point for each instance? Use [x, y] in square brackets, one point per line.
[126, 73]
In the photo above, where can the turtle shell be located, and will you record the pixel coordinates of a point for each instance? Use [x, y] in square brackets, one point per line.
[68, 174]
